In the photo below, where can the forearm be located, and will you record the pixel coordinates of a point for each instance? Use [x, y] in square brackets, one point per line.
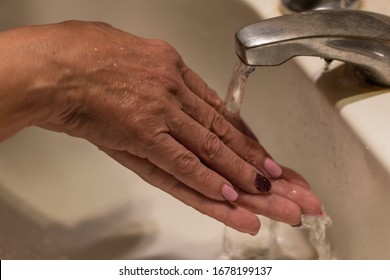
[27, 79]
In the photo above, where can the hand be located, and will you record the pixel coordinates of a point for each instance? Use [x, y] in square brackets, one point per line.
[137, 101]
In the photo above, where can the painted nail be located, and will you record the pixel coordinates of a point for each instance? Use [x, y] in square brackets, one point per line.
[229, 193]
[273, 169]
[262, 184]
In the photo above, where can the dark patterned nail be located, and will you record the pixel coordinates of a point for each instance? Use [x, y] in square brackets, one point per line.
[262, 183]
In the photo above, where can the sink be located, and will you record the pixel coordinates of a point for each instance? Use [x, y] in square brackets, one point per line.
[332, 127]
[60, 197]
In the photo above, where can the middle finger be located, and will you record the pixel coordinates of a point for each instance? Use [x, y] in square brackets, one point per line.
[215, 154]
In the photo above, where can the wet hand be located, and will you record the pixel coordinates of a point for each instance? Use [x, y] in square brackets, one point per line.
[137, 101]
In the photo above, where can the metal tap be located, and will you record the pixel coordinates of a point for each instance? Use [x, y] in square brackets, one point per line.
[357, 37]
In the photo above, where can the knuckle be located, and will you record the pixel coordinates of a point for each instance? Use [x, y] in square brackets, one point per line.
[213, 99]
[220, 126]
[250, 152]
[151, 135]
[169, 81]
[207, 179]
[100, 24]
[165, 67]
[96, 25]
[204, 181]
[239, 167]
[186, 164]
[149, 140]
[162, 45]
[205, 92]
[247, 153]
[212, 146]
[168, 50]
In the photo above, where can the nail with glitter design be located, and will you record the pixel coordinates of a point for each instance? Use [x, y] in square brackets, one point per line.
[262, 184]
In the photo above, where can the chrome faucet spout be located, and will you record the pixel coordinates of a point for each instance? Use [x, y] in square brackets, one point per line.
[357, 37]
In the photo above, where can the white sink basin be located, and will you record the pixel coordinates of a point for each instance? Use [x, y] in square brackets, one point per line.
[333, 128]
[62, 198]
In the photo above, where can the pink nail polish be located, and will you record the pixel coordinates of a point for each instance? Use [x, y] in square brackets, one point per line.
[273, 169]
[229, 193]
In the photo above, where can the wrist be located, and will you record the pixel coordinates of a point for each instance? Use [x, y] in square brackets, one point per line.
[29, 79]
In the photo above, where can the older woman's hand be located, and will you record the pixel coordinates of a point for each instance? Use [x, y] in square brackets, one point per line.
[138, 102]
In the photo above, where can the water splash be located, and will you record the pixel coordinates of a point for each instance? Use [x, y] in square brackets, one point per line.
[241, 246]
[317, 235]
[274, 242]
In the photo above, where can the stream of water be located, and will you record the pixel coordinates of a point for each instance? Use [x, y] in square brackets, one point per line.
[314, 225]
[236, 89]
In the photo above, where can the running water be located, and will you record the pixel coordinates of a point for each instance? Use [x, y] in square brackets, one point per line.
[236, 88]
[343, 4]
[317, 235]
[316, 226]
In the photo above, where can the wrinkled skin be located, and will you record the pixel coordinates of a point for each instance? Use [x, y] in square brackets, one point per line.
[137, 101]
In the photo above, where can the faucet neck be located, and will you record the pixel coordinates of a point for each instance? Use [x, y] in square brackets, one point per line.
[356, 37]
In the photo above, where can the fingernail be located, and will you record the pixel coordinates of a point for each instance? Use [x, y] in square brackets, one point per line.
[229, 193]
[273, 169]
[262, 184]
[297, 225]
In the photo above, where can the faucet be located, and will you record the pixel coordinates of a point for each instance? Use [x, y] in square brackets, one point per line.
[357, 37]
[306, 5]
